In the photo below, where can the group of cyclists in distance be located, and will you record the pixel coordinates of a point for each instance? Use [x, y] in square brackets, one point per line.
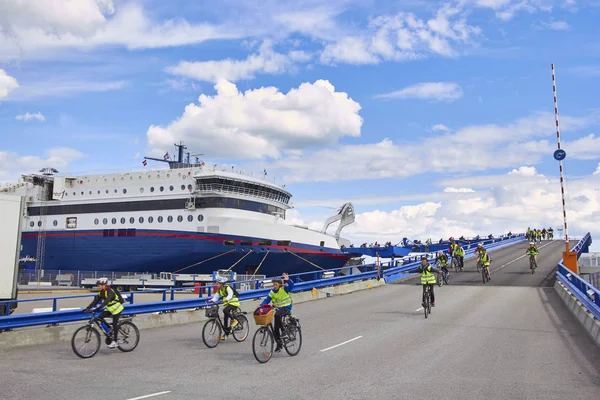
[456, 253]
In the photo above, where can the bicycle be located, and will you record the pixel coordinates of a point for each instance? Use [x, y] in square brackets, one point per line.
[443, 277]
[532, 263]
[128, 334]
[264, 338]
[213, 328]
[485, 273]
[427, 303]
[455, 264]
[479, 265]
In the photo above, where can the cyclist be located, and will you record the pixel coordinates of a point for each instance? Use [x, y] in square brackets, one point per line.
[282, 302]
[427, 279]
[533, 251]
[478, 251]
[113, 303]
[486, 260]
[442, 261]
[230, 301]
[459, 252]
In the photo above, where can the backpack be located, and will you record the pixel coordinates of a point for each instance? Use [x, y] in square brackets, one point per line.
[235, 292]
[119, 297]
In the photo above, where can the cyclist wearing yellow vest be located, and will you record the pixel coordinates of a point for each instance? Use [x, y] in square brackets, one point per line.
[230, 301]
[282, 302]
[486, 260]
[427, 278]
[112, 302]
[459, 252]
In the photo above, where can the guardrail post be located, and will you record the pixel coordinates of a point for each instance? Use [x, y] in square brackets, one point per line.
[172, 294]
[164, 295]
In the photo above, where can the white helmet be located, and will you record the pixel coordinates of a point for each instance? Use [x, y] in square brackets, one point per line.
[479, 245]
[222, 280]
[531, 244]
[102, 281]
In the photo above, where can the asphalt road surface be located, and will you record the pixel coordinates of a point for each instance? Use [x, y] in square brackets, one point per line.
[489, 341]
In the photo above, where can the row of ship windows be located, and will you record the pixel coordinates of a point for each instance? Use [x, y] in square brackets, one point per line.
[162, 189]
[72, 221]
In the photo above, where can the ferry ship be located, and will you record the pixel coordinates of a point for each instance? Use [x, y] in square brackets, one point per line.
[190, 218]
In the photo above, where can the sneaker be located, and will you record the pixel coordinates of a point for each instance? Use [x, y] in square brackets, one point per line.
[432, 304]
[278, 348]
[112, 345]
[234, 323]
[223, 337]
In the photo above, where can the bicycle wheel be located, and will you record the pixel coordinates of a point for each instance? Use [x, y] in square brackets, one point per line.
[242, 329]
[128, 337]
[455, 264]
[294, 342]
[262, 344]
[478, 265]
[211, 333]
[440, 280]
[484, 274]
[90, 344]
[426, 305]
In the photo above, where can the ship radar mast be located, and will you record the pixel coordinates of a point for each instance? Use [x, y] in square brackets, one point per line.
[180, 162]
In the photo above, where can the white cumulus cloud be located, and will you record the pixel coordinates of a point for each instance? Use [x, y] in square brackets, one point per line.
[12, 165]
[505, 202]
[28, 117]
[403, 37]
[441, 91]
[7, 83]
[526, 140]
[440, 127]
[36, 28]
[266, 61]
[262, 122]
[507, 9]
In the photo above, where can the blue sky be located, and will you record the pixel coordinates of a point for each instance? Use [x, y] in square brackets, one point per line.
[394, 105]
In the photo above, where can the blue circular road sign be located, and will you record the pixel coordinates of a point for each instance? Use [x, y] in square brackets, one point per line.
[560, 155]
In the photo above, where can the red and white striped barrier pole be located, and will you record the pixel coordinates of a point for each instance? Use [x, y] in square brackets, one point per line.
[562, 180]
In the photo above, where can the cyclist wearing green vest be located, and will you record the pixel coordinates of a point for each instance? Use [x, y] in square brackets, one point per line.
[230, 301]
[459, 252]
[282, 302]
[112, 301]
[427, 278]
[486, 260]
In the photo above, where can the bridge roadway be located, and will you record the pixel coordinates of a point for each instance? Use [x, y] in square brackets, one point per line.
[510, 339]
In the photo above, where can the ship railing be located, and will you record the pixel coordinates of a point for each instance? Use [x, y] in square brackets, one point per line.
[140, 302]
[205, 188]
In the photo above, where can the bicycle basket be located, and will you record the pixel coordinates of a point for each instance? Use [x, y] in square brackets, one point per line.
[212, 312]
[264, 319]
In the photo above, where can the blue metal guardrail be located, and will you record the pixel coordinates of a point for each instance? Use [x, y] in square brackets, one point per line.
[317, 279]
[586, 293]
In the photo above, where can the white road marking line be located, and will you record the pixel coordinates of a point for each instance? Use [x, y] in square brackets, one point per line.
[517, 259]
[419, 309]
[341, 344]
[149, 395]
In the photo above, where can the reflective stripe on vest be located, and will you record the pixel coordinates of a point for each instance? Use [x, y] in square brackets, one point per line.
[281, 298]
[427, 276]
[114, 307]
[234, 300]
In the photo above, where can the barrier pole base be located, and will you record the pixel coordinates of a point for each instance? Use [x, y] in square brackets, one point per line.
[570, 261]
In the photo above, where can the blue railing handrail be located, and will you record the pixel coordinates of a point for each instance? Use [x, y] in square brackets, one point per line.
[54, 317]
[584, 291]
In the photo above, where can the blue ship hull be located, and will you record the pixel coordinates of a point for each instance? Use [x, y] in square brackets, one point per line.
[172, 251]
